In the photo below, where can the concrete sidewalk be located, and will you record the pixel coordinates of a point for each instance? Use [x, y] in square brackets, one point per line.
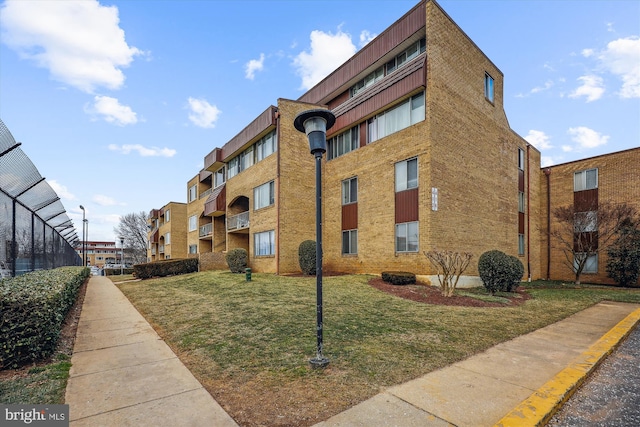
[123, 374]
[517, 383]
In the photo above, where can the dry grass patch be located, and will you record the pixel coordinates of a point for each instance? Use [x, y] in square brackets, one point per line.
[249, 342]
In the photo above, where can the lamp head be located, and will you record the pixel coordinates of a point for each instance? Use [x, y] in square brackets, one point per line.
[315, 124]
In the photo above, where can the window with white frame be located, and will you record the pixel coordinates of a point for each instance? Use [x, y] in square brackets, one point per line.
[167, 239]
[264, 243]
[521, 201]
[406, 174]
[342, 144]
[350, 242]
[266, 146]
[585, 222]
[407, 237]
[590, 264]
[167, 216]
[407, 55]
[488, 87]
[585, 180]
[401, 116]
[193, 249]
[264, 195]
[350, 190]
[219, 177]
[193, 223]
[520, 159]
[247, 158]
[193, 193]
[233, 167]
[520, 244]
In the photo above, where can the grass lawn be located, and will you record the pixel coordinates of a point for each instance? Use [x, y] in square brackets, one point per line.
[39, 385]
[249, 342]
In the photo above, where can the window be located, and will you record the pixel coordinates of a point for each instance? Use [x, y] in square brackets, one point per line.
[193, 193]
[266, 146]
[264, 243]
[193, 223]
[219, 177]
[350, 191]
[263, 195]
[234, 167]
[401, 116]
[167, 239]
[488, 87]
[520, 244]
[590, 265]
[407, 237]
[406, 174]
[193, 249]
[520, 159]
[350, 242]
[521, 201]
[167, 216]
[585, 222]
[247, 158]
[585, 180]
[343, 143]
[369, 80]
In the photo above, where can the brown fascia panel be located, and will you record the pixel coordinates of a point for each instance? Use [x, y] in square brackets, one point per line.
[259, 125]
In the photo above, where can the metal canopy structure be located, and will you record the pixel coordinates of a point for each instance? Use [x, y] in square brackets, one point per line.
[32, 217]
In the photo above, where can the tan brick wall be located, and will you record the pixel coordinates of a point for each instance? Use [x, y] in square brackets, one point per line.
[618, 182]
[177, 226]
[213, 261]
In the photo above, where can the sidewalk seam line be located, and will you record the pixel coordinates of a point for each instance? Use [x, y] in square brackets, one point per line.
[123, 367]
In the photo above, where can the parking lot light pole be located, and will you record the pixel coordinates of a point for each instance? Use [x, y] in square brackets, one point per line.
[121, 256]
[84, 240]
[315, 124]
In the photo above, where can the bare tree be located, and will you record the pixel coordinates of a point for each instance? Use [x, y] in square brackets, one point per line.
[449, 267]
[133, 228]
[582, 234]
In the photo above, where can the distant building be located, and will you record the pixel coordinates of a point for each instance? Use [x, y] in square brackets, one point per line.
[167, 232]
[99, 253]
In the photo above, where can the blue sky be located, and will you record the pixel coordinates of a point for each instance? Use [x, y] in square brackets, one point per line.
[117, 102]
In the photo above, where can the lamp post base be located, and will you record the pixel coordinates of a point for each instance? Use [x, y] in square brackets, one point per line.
[318, 362]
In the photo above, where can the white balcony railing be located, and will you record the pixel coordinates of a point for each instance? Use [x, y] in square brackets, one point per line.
[161, 250]
[205, 230]
[238, 222]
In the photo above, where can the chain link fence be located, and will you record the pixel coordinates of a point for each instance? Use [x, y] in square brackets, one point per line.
[35, 231]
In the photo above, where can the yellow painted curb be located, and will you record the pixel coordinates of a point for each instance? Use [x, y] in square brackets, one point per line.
[538, 408]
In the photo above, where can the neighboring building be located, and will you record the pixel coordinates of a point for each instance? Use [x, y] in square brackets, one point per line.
[99, 253]
[168, 232]
[584, 184]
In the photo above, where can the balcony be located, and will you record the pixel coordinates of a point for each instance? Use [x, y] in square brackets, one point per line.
[205, 230]
[238, 222]
[161, 249]
[216, 203]
[153, 251]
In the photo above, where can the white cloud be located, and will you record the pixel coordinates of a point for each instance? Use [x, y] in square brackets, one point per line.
[567, 148]
[103, 200]
[592, 88]
[79, 42]
[202, 113]
[546, 161]
[252, 66]
[587, 52]
[622, 58]
[538, 139]
[366, 37]
[112, 111]
[587, 138]
[328, 51]
[142, 150]
[61, 190]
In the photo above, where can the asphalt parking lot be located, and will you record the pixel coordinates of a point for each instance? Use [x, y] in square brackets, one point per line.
[611, 395]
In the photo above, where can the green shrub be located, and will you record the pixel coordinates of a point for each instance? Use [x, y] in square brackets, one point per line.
[32, 309]
[166, 267]
[237, 260]
[307, 257]
[623, 257]
[499, 272]
[399, 277]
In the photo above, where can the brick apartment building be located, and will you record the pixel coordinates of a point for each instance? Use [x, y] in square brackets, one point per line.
[168, 232]
[99, 253]
[421, 157]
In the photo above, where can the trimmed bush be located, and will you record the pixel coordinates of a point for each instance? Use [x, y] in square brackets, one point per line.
[237, 260]
[32, 309]
[499, 272]
[399, 277]
[307, 257]
[165, 267]
[623, 258]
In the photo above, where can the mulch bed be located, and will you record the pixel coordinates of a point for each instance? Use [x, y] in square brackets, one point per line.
[424, 293]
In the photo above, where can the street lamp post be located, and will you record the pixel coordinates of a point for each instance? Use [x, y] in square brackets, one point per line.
[84, 241]
[121, 256]
[315, 124]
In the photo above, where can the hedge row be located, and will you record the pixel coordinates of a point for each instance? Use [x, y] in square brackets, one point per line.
[117, 271]
[399, 277]
[32, 309]
[166, 267]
